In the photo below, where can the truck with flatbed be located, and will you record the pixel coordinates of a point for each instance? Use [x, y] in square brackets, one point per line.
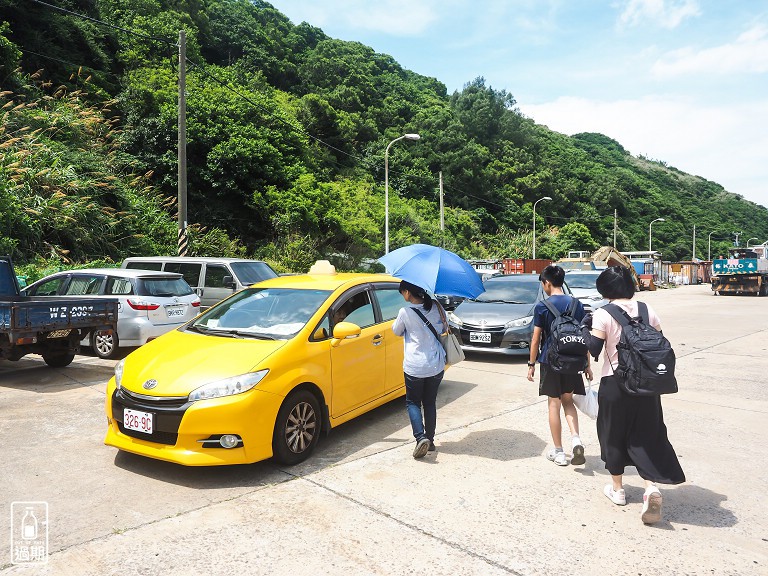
[745, 271]
[50, 327]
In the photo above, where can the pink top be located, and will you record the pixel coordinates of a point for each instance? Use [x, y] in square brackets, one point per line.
[604, 322]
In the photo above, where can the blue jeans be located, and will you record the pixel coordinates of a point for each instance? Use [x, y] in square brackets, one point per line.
[422, 392]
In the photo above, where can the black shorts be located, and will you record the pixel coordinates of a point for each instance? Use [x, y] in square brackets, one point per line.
[554, 384]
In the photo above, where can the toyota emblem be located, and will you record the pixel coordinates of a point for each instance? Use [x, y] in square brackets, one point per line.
[149, 384]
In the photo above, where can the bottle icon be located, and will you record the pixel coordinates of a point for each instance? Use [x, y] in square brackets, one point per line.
[29, 525]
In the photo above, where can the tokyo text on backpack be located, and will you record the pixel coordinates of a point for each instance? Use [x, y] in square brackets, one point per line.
[567, 350]
[646, 359]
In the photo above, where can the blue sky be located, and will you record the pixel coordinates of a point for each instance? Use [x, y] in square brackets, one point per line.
[681, 81]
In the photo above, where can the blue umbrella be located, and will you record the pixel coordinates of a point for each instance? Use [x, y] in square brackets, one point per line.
[439, 271]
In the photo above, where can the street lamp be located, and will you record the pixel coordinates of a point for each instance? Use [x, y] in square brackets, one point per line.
[709, 246]
[386, 187]
[534, 223]
[649, 232]
[748, 241]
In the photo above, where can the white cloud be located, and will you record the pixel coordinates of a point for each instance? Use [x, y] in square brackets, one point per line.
[726, 144]
[664, 13]
[748, 54]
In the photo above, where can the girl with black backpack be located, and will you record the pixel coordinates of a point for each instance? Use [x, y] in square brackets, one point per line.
[630, 428]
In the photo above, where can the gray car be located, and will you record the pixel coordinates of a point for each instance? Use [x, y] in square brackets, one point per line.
[500, 320]
[582, 285]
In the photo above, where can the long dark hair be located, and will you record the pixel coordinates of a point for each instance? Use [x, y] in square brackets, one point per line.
[418, 292]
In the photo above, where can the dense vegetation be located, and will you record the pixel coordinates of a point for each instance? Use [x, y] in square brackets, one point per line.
[286, 131]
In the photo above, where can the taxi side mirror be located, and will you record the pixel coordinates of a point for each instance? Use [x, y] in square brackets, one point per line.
[344, 330]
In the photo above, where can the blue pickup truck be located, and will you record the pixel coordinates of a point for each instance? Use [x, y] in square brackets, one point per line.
[51, 327]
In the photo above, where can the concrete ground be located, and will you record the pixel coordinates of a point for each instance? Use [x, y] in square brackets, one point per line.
[487, 502]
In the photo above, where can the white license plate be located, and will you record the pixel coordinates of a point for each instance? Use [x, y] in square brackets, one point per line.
[174, 311]
[480, 337]
[138, 421]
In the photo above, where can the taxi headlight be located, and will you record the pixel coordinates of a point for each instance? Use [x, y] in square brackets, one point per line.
[228, 386]
[455, 319]
[519, 323]
[119, 373]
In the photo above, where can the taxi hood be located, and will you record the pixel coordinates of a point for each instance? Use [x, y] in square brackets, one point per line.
[181, 362]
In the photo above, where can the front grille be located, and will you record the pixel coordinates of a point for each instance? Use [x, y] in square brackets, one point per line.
[156, 436]
[167, 414]
[152, 401]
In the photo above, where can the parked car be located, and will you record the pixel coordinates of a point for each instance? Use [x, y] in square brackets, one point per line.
[261, 374]
[500, 320]
[451, 302]
[582, 285]
[149, 303]
[213, 279]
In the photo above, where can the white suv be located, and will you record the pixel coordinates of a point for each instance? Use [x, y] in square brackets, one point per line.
[149, 303]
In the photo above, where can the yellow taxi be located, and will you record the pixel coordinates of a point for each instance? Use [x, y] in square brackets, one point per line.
[262, 373]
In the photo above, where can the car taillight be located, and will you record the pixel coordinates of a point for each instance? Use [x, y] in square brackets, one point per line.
[196, 304]
[141, 305]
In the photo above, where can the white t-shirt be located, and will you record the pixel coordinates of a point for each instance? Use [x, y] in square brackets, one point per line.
[603, 321]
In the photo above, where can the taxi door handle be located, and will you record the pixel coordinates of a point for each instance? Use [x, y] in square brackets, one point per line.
[378, 339]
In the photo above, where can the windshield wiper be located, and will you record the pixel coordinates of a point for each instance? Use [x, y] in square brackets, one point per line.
[499, 301]
[230, 332]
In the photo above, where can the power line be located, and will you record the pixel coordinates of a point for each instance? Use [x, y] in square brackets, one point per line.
[47, 57]
[103, 23]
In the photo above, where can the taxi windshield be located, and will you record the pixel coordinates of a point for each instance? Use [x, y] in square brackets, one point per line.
[269, 313]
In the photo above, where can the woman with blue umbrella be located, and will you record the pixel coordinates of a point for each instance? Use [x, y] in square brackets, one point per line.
[423, 362]
[423, 269]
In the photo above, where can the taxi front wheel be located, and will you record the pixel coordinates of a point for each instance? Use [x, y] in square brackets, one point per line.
[297, 428]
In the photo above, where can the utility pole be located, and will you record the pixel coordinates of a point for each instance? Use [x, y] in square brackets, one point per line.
[615, 226]
[693, 256]
[442, 218]
[182, 202]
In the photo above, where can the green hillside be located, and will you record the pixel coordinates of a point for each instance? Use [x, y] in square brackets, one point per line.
[286, 131]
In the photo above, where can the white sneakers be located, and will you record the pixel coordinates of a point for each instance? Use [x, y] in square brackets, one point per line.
[651, 505]
[651, 512]
[558, 457]
[618, 497]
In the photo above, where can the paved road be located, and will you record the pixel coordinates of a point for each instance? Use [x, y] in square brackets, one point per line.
[487, 502]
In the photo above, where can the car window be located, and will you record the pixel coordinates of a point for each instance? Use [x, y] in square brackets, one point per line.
[523, 291]
[84, 284]
[163, 287]
[390, 302]
[145, 265]
[118, 286]
[191, 272]
[252, 272]
[357, 309]
[581, 280]
[214, 275]
[273, 313]
[48, 287]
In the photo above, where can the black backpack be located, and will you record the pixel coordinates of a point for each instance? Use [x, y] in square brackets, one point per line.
[646, 358]
[567, 350]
